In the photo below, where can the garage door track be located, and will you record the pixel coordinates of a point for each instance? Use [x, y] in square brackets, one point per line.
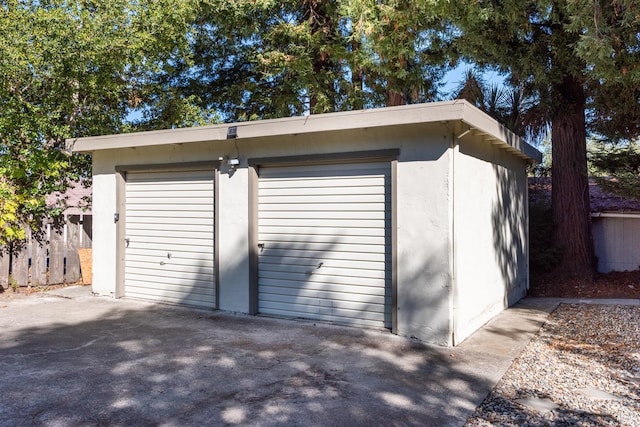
[68, 358]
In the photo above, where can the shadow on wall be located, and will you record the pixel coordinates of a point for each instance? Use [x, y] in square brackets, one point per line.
[131, 363]
[324, 280]
[509, 215]
[167, 280]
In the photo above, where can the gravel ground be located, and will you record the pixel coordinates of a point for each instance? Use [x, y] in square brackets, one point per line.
[581, 369]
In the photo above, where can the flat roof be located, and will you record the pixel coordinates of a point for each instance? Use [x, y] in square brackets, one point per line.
[476, 121]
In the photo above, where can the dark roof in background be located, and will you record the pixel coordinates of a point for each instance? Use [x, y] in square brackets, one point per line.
[601, 200]
[76, 199]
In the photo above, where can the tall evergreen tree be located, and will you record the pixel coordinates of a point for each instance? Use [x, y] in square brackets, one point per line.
[574, 54]
[402, 41]
[274, 59]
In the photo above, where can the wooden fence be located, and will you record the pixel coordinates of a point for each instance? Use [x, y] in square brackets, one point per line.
[53, 260]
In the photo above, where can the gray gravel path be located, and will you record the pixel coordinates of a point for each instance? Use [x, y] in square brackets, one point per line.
[582, 369]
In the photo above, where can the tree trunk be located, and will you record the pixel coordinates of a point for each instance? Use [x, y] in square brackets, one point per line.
[321, 24]
[570, 184]
[393, 96]
[395, 88]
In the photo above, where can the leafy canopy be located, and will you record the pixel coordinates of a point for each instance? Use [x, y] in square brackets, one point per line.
[616, 167]
[71, 68]
[573, 57]
[264, 59]
[540, 43]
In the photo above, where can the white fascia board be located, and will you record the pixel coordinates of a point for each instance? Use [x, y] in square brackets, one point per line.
[615, 215]
[495, 131]
[444, 111]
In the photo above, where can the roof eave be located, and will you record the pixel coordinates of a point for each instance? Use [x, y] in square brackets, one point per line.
[444, 111]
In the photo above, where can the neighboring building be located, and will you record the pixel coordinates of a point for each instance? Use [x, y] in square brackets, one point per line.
[410, 218]
[616, 230]
[615, 225]
[77, 200]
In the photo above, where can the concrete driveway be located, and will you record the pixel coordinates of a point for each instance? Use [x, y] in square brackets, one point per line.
[70, 359]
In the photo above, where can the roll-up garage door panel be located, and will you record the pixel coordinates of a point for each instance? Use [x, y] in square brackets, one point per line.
[170, 233]
[171, 297]
[177, 284]
[296, 254]
[326, 171]
[328, 269]
[324, 231]
[146, 258]
[311, 238]
[323, 291]
[326, 279]
[362, 315]
[338, 245]
[351, 265]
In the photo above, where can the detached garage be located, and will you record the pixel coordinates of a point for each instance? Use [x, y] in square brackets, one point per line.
[411, 218]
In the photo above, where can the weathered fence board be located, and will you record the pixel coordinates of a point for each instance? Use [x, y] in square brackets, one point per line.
[87, 227]
[38, 263]
[4, 269]
[74, 233]
[20, 267]
[52, 260]
[56, 257]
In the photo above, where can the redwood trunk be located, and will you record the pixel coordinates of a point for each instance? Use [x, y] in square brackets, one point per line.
[570, 184]
[393, 96]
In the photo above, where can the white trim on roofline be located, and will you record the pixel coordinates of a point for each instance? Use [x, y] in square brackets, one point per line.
[458, 110]
[615, 214]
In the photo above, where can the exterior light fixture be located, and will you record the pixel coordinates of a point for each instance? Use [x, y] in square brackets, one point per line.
[232, 132]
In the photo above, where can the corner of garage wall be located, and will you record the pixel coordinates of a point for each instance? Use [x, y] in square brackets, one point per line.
[104, 228]
[424, 238]
[490, 238]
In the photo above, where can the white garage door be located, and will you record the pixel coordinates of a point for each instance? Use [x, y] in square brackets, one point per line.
[324, 242]
[169, 255]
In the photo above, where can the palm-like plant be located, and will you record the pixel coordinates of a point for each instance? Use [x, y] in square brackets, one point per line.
[513, 105]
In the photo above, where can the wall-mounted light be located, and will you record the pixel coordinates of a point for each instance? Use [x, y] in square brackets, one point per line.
[232, 132]
[230, 163]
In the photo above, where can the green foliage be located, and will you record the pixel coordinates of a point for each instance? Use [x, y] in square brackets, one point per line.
[543, 169]
[400, 47]
[539, 44]
[616, 167]
[571, 57]
[513, 106]
[13, 283]
[264, 59]
[544, 257]
[70, 69]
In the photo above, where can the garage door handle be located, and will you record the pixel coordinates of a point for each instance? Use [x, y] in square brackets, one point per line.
[126, 242]
[261, 246]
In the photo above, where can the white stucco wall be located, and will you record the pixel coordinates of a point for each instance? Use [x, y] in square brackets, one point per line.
[490, 234]
[424, 202]
[423, 206]
[104, 228]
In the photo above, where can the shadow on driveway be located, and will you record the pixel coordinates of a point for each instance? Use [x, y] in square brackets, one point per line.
[82, 360]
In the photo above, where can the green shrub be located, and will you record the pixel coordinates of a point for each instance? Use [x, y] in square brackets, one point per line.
[543, 255]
